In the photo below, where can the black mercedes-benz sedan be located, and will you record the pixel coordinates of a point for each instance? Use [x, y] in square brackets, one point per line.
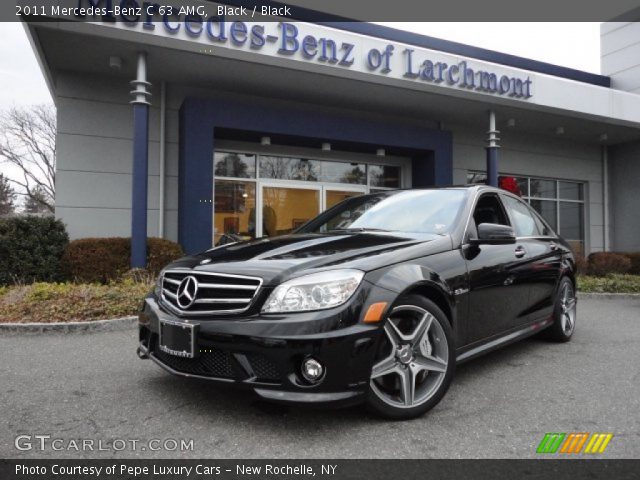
[373, 301]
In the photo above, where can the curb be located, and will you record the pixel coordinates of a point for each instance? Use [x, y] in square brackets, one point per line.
[610, 296]
[113, 325]
[128, 323]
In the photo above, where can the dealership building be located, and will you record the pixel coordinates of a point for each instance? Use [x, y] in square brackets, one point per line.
[193, 128]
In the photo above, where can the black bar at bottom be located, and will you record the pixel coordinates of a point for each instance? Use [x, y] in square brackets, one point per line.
[547, 469]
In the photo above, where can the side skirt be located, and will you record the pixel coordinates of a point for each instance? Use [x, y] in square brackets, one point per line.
[504, 340]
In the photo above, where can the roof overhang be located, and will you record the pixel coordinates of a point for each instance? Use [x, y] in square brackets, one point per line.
[394, 78]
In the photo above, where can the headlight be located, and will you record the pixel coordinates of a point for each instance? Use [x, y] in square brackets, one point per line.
[314, 292]
[158, 288]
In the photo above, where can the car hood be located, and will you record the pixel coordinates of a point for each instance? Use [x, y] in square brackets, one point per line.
[276, 259]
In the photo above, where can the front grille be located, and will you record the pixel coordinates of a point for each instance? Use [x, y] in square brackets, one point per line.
[263, 368]
[212, 363]
[189, 292]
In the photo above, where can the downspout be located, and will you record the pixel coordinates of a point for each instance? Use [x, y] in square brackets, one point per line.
[605, 196]
[161, 188]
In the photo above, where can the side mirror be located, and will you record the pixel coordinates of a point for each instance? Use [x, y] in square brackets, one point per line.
[494, 234]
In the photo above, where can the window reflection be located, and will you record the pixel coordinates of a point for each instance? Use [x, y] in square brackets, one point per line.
[547, 210]
[542, 188]
[234, 210]
[289, 168]
[384, 176]
[234, 165]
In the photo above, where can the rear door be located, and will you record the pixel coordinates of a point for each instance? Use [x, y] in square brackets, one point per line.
[543, 253]
[498, 288]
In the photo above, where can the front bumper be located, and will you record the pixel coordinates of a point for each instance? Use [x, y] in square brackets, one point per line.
[264, 353]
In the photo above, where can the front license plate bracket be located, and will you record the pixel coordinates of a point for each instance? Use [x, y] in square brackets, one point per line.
[178, 338]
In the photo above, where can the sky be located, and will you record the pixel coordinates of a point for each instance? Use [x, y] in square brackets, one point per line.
[575, 45]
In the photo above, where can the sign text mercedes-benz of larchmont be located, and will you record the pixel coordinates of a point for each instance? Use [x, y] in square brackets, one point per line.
[305, 42]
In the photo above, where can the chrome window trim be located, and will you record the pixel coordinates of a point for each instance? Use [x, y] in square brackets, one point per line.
[184, 313]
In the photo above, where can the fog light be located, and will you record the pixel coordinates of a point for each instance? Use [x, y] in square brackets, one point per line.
[312, 370]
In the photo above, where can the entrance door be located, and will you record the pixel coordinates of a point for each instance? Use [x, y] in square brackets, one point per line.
[286, 207]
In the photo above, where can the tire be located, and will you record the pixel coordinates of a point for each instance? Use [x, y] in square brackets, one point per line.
[564, 313]
[415, 362]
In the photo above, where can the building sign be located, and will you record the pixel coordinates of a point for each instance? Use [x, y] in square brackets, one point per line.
[325, 46]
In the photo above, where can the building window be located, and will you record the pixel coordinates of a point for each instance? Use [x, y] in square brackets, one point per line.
[559, 202]
[267, 195]
[234, 210]
[237, 165]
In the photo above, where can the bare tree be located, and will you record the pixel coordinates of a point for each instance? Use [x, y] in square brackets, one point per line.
[28, 143]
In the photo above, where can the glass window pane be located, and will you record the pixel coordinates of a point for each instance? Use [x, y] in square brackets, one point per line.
[524, 222]
[523, 185]
[286, 209]
[234, 165]
[571, 190]
[474, 178]
[336, 172]
[286, 168]
[333, 197]
[384, 176]
[234, 209]
[543, 188]
[547, 209]
[571, 220]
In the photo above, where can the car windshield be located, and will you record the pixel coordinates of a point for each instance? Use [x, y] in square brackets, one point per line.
[409, 211]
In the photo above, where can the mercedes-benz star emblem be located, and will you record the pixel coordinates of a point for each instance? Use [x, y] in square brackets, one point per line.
[187, 291]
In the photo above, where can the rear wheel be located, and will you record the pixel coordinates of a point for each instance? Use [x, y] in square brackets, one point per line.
[415, 362]
[564, 313]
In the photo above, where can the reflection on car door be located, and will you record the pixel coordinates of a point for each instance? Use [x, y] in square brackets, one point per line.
[498, 289]
[543, 253]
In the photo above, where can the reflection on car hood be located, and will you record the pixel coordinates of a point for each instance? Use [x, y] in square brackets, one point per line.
[275, 259]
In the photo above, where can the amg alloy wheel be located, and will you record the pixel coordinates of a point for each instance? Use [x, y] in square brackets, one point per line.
[564, 313]
[416, 360]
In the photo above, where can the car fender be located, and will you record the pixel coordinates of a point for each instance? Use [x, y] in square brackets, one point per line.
[410, 277]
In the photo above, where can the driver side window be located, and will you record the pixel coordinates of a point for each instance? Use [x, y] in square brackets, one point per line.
[488, 210]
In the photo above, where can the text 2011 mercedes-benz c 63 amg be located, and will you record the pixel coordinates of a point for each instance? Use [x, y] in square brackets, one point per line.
[374, 301]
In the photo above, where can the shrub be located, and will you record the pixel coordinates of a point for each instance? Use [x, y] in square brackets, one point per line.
[66, 302]
[605, 263]
[635, 262]
[582, 265]
[613, 283]
[105, 259]
[31, 249]
[160, 252]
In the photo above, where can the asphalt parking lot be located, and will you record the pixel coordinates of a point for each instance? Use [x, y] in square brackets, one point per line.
[92, 386]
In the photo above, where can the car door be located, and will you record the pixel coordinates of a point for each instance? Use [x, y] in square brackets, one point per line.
[498, 288]
[543, 253]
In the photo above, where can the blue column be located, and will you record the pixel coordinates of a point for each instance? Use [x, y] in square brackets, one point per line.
[140, 165]
[140, 187]
[492, 151]
[492, 166]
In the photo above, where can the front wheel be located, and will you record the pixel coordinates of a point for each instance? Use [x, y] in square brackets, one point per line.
[564, 313]
[415, 362]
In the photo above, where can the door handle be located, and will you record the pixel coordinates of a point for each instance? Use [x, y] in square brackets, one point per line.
[553, 246]
[520, 251]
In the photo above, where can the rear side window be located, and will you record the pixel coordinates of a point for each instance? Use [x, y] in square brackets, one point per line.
[525, 223]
